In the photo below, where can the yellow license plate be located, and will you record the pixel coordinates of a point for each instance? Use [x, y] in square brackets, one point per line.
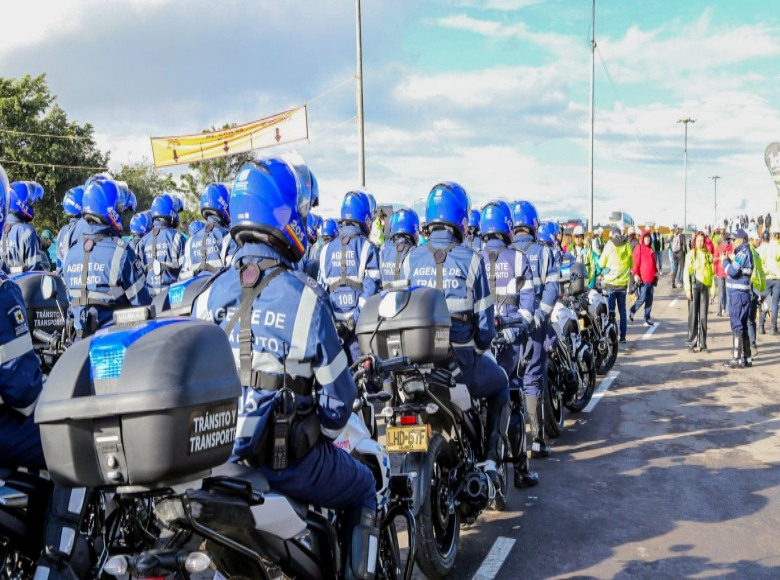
[407, 439]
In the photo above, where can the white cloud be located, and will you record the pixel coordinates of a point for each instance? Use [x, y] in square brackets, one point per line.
[504, 5]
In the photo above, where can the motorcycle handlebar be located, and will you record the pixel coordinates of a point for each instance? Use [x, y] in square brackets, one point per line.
[502, 323]
[44, 336]
[393, 364]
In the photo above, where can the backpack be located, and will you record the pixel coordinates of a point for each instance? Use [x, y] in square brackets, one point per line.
[676, 243]
[758, 277]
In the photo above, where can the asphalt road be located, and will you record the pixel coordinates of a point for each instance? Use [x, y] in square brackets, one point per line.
[674, 473]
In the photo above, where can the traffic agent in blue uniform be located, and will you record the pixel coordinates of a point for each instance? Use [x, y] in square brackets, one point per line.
[211, 248]
[511, 287]
[162, 247]
[458, 271]
[101, 271]
[473, 237]
[20, 374]
[405, 233]
[297, 389]
[545, 276]
[20, 245]
[70, 233]
[349, 268]
[739, 269]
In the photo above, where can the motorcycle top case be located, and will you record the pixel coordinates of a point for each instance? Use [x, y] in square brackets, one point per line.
[578, 279]
[419, 329]
[42, 313]
[178, 298]
[140, 405]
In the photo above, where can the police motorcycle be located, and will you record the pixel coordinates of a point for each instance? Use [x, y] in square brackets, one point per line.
[46, 302]
[431, 420]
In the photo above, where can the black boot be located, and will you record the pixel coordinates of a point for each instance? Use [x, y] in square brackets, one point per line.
[539, 448]
[747, 357]
[363, 544]
[736, 361]
[524, 477]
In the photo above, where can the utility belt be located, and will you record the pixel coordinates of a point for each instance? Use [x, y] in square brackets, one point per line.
[357, 286]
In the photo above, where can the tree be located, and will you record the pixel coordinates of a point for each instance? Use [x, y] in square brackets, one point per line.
[38, 143]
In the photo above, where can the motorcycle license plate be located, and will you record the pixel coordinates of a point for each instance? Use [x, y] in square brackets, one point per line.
[406, 439]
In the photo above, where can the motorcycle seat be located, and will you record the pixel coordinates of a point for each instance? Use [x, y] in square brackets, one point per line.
[244, 473]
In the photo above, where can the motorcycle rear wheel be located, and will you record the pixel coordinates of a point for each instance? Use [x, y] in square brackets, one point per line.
[438, 530]
[587, 371]
[553, 409]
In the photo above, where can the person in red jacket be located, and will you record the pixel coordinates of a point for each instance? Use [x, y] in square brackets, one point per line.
[724, 249]
[645, 276]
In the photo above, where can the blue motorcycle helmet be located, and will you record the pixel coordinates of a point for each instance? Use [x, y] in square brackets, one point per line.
[497, 221]
[103, 203]
[5, 194]
[371, 203]
[164, 207]
[215, 201]
[141, 223]
[356, 209]
[71, 201]
[178, 204]
[269, 205]
[291, 173]
[131, 203]
[23, 195]
[547, 233]
[526, 217]
[330, 229]
[405, 222]
[195, 226]
[474, 220]
[311, 227]
[448, 205]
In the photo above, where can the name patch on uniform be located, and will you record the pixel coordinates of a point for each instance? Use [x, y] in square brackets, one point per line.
[213, 427]
[16, 316]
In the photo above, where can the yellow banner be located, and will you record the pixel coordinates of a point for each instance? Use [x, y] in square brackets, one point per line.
[279, 129]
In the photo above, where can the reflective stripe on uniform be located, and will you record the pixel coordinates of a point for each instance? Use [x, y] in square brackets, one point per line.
[546, 308]
[302, 327]
[484, 304]
[329, 373]
[116, 261]
[266, 362]
[15, 348]
[133, 291]
[364, 251]
[246, 426]
[476, 260]
[455, 305]
[202, 311]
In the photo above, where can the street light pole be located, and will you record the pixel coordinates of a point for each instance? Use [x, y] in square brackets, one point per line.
[715, 179]
[359, 74]
[685, 121]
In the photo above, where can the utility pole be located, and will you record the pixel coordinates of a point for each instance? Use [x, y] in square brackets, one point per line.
[592, 103]
[685, 121]
[361, 138]
[715, 179]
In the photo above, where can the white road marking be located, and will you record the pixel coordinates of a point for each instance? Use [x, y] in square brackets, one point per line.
[650, 331]
[672, 303]
[495, 559]
[606, 382]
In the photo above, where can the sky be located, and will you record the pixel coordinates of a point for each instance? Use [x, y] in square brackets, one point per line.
[492, 94]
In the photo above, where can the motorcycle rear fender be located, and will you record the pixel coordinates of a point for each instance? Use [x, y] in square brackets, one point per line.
[420, 465]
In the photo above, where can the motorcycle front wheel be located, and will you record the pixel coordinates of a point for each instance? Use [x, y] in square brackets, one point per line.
[587, 371]
[605, 363]
[552, 403]
[438, 529]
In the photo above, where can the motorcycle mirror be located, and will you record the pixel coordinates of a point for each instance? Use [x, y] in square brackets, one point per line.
[157, 268]
[48, 288]
[393, 302]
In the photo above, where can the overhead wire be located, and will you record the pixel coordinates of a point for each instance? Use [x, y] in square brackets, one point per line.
[11, 161]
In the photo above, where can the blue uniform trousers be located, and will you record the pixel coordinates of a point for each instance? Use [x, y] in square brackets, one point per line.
[326, 476]
[535, 375]
[739, 312]
[24, 448]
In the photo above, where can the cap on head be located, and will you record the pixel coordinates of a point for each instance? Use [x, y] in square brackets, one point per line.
[740, 233]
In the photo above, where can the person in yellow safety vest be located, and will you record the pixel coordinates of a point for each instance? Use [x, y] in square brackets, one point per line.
[377, 235]
[616, 263]
[583, 254]
[758, 294]
[769, 251]
[699, 282]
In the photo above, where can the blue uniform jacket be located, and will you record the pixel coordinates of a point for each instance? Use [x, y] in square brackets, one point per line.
[217, 251]
[115, 276]
[394, 252]
[739, 271]
[465, 287]
[20, 375]
[20, 247]
[292, 315]
[545, 271]
[69, 235]
[362, 272]
[513, 281]
[168, 251]
[473, 241]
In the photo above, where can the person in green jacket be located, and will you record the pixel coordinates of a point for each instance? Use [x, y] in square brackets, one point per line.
[583, 254]
[698, 280]
[616, 263]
